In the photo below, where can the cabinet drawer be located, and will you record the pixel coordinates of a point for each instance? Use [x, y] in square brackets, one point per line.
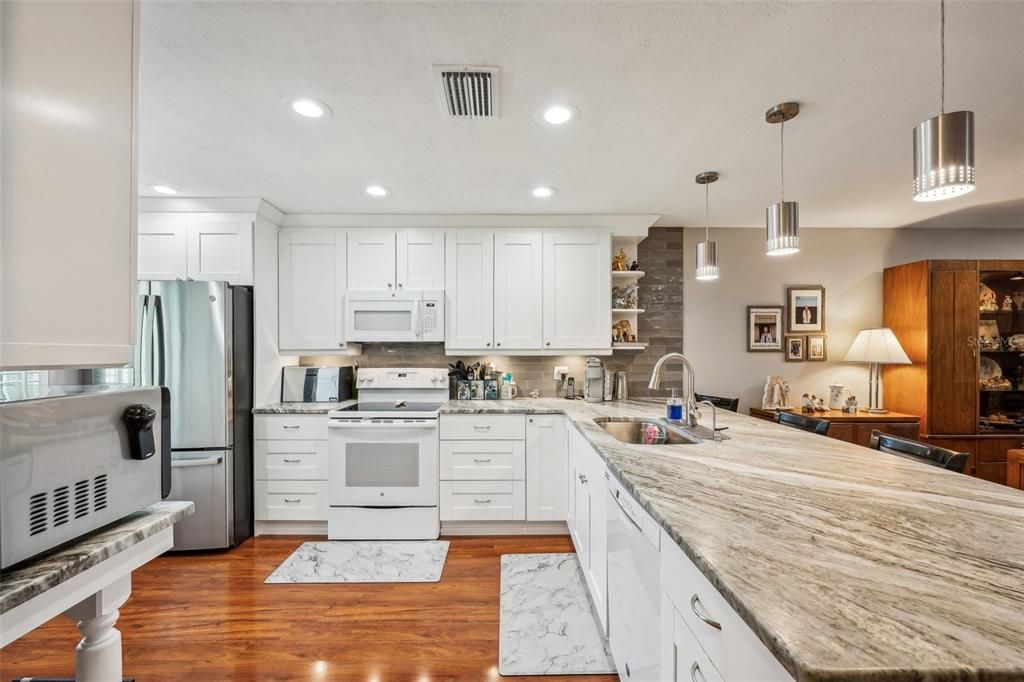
[733, 647]
[290, 460]
[483, 460]
[290, 427]
[689, 660]
[483, 427]
[483, 501]
[290, 500]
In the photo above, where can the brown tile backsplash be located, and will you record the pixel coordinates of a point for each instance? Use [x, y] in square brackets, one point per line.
[660, 256]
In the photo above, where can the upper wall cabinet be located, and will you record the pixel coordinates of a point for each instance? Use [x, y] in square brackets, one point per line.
[70, 82]
[469, 288]
[577, 290]
[390, 259]
[518, 289]
[204, 247]
[311, 290]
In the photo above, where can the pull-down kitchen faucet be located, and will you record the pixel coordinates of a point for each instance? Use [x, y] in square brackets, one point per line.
[690, 400]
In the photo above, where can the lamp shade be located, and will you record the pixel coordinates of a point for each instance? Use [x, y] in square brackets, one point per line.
[877, 345]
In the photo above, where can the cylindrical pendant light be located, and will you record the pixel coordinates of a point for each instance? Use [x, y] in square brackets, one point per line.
[707, 250]
[944, 145]
[782, 219]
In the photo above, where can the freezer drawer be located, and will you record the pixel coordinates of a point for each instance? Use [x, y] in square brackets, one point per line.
[202, 478]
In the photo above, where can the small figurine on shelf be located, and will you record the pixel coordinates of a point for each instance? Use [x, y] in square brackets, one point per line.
[1018, 300]
[851, 405]
[1007, 303]
[619, 297]
[634, 267]
[632, 296]
[806, 404]
[624, 331]
[819, 404]
[986, 299]
[619, 262]
[776, 393]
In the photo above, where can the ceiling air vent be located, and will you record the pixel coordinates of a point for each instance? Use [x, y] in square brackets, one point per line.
[469, 91]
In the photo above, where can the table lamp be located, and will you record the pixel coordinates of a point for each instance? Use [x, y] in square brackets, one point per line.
[877, 347]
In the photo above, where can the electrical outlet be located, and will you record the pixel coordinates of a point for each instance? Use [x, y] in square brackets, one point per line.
[559, 371]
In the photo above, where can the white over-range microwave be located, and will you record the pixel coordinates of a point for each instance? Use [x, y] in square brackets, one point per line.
[376, 316]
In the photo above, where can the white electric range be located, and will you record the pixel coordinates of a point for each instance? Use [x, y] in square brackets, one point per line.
[382, 476]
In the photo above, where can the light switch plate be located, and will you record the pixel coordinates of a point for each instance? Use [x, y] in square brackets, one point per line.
[559, 371]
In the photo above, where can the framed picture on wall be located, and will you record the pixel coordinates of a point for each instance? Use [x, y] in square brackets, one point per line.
[795, 348]
[764, 328]
[805, 309]
[817, 348]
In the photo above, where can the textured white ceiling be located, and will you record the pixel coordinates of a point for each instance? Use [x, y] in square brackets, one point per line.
[665, 90]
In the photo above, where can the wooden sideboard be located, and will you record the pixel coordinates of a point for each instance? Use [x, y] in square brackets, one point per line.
[857, 428]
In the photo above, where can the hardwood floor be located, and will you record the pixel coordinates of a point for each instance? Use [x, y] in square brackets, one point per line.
[209, 617]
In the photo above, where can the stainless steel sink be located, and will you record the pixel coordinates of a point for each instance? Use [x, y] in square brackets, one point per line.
[646, 432]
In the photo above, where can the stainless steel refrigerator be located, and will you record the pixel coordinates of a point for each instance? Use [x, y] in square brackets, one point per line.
[196, 339]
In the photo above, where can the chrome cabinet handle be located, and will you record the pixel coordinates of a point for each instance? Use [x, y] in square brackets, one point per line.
[694, 600]
[481, 427]
[292, 461]
[486, 500]
[286, 426]
[293, 501]
[694, 671]
[481, 461]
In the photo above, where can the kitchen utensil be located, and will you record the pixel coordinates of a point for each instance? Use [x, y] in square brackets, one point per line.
[621, 386]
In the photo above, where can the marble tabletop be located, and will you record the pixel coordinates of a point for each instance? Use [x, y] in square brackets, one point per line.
[849, 564]
[54, 568]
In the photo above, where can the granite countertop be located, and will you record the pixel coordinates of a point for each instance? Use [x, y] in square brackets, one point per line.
[301, 408]
[50, 570]
[849, 564]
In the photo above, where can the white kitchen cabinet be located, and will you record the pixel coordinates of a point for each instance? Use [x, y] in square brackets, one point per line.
[289, 468]
[682, 659]
[311, 289]
[589, 523]
[220, 250]
[419, 256]
[371, 259]
[163, 247]
[547, 467]
[469, 287]
[518, 288]
[69, 126]
[205, 248]
[577, 290]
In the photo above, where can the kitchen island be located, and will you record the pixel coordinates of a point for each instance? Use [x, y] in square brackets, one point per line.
[847, 563]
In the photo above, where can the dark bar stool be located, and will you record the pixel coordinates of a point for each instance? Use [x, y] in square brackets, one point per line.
[799, 421]
[919, 452]
[731, 404]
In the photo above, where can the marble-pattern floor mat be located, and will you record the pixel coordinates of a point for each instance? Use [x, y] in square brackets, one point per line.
[547, 625]
[364, 561]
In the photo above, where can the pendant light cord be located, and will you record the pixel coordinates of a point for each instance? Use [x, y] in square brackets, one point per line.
[942, 58]
[782, 158]
[707, 214]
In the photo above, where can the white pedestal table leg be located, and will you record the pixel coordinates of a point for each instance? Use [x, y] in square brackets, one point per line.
[98, 656]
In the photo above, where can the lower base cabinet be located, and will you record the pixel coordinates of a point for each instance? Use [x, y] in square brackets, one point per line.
[682, 659]
[290, 468]
[588, 521]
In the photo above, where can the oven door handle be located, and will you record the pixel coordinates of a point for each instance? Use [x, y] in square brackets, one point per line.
[423, 425]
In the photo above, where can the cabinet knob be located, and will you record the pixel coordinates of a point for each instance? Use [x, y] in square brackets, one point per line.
[389, 285]
[399, 285]
[498, 344]
[548, 343]
[488, 344]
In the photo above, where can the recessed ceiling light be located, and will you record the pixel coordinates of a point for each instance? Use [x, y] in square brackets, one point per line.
[164, 189]
[544, 192]
[377, 191]
[309, 107]
[557, 114]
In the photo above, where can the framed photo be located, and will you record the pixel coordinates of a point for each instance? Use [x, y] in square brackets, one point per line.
[795, 348]
[805, 309]
[817, 349]
[764, 328]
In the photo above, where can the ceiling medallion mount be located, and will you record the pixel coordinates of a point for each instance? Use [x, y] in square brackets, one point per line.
[781, 113]
[706, 177]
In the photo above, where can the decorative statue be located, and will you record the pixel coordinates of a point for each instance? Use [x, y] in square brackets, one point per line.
[818, 404]
[623, 331]
[632, 296]
[776, 393]
[1007, 303]
[634, 267]
[619, 297]
[806, 403]
[1018, 299]
[619, 262]
[986, 298]
[851, 404]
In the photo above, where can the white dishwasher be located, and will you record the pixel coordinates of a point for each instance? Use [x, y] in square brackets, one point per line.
[633, 589]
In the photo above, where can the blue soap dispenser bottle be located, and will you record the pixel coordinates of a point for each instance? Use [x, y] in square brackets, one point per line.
[674, 407]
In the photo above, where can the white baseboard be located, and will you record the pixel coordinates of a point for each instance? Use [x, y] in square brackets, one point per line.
[291, 528]
[504, 528]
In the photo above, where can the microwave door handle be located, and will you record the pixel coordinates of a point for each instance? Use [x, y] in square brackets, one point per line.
[160, 355]
[417, 322]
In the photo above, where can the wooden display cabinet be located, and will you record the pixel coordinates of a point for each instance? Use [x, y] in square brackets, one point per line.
[934, 309]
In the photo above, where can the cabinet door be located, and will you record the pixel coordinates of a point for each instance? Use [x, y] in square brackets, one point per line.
[371, 259]
[220, 251]
[311, 289]
[953, 363]
[420, 259]
[993, 454]
[597, 486]
[518, 290]
[163, 251]
[577, 290]
[547, 468]
[469, 287]
[68, 274]
[579, 529]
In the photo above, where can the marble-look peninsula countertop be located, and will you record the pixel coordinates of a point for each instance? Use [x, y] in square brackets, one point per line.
[849, 564]
[301, 408]
[52, 569]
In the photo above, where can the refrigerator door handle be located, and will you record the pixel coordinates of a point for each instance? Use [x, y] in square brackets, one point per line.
[140, 341]
[146, 343]
[161, 377]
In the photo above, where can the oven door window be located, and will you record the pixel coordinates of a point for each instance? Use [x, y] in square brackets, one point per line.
[382, 465]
